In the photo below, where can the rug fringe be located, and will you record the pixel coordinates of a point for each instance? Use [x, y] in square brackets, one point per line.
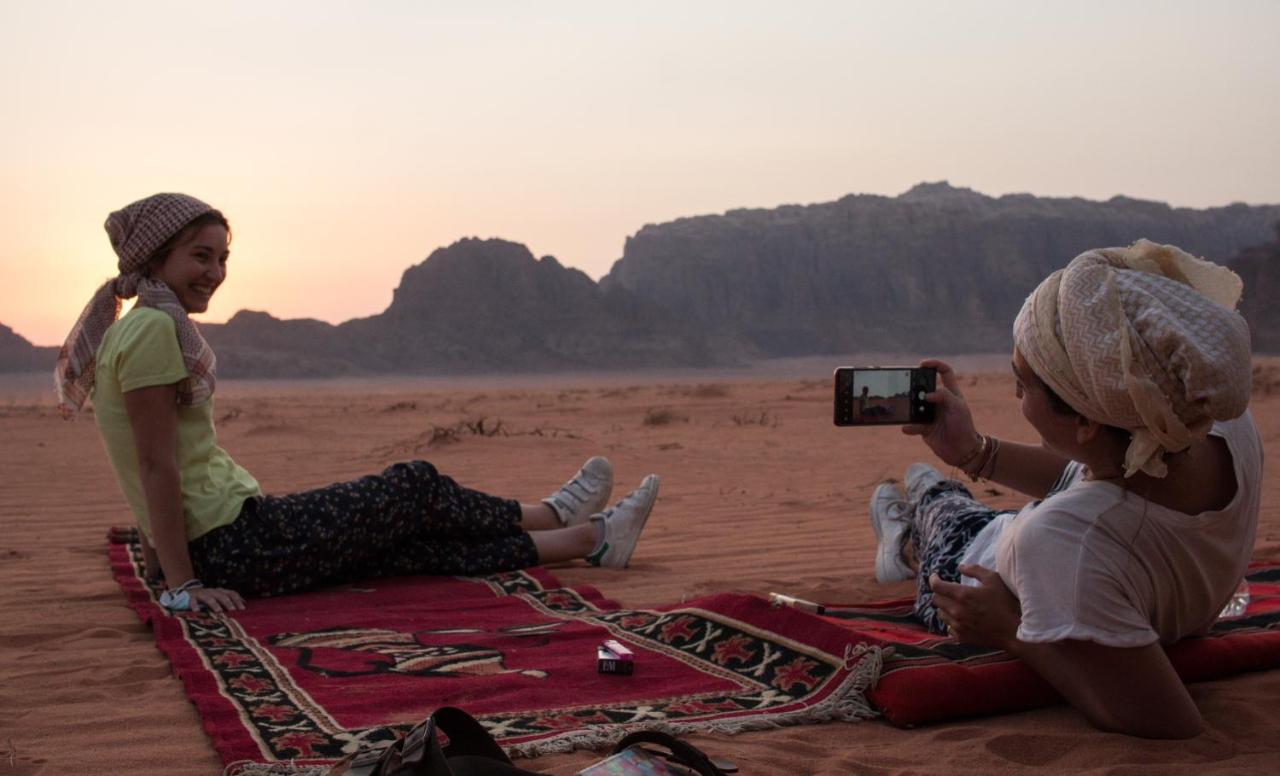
[847, 704]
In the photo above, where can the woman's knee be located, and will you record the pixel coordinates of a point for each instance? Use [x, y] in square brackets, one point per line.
[413, 471]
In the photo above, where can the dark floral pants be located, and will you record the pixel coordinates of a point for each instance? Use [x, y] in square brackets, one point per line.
[408, 520]
[943, 525]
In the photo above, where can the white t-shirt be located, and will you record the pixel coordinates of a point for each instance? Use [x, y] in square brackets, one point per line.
[1095, 562]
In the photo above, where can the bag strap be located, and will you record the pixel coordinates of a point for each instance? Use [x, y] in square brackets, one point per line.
[416, 754]
[686, 753]
[466, 735]
[420, 753]
[471, 751]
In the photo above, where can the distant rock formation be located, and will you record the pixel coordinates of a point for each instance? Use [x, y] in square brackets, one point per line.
[938, 269]
[1259, 267]
[489, 305]
[475, 306]
[19, 355]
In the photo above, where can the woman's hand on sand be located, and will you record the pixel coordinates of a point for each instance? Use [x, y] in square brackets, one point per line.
[951, 436]
[215, 599]
[987, 615]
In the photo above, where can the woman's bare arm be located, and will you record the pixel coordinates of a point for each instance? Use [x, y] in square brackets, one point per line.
[1126, 690]
[153, 417]
[1029, 469]
[150, 560]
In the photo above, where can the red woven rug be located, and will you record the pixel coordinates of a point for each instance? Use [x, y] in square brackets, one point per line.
[312, 677]
[929, 678]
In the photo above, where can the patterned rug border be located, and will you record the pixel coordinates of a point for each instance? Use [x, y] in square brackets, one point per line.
[261, 714]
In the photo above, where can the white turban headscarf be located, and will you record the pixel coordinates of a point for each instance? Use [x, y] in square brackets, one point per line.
[1144, 338]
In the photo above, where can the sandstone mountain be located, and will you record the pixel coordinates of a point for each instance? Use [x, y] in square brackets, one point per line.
[1259, 268]
[938, 269]
[475, 306]
[19, 355]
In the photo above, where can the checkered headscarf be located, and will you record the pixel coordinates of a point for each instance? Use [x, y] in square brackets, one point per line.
[136, 232]
[1144, 338]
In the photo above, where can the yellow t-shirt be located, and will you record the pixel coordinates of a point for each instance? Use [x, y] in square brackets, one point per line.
[138, 351]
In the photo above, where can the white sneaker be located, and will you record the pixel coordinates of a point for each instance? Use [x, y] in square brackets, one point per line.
[584, 494]
[623, 523]
[889, 510]
[919, 478]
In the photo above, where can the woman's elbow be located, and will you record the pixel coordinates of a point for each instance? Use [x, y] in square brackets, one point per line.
[157, 468]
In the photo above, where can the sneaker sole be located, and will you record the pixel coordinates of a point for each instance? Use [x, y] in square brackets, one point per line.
[877, 525]
[885, 568]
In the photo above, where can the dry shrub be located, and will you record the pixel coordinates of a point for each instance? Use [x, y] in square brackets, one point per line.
[661, 416]
[618, 393]
[485, 427]
[699, 391]
[762, 418]
[441, 435]
[482, 426]
[709, 391]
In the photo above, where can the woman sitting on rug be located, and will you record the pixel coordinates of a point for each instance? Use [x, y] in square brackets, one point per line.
[215, 535]
[1135, 371]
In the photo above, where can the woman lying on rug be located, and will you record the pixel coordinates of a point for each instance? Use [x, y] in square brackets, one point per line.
[216, 537]
[1135, 371]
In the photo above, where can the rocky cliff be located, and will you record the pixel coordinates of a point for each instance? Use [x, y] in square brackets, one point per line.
[19, 355]
[1259, 268]
[939, 269]
[489, 304]
[475, 306]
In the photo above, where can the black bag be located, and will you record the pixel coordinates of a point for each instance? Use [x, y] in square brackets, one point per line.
[471, 751]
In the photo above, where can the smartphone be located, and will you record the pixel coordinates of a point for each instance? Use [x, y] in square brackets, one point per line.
[883, 395]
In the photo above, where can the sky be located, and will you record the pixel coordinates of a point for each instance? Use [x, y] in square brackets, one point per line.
[345, 141]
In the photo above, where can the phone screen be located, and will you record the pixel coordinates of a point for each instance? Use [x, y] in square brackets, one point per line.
[870, 396]
[881, 395]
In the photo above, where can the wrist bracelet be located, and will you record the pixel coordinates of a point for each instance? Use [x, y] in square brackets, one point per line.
[977, 454]
[988, 469]
[984, 460]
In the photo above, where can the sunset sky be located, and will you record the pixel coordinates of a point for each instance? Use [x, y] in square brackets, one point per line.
[347, 140]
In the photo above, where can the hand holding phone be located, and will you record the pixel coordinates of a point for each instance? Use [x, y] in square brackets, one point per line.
[951, 436]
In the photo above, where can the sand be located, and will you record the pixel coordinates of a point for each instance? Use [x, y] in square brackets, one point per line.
[759, 493]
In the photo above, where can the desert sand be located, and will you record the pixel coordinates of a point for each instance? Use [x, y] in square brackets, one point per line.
[759, 493]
